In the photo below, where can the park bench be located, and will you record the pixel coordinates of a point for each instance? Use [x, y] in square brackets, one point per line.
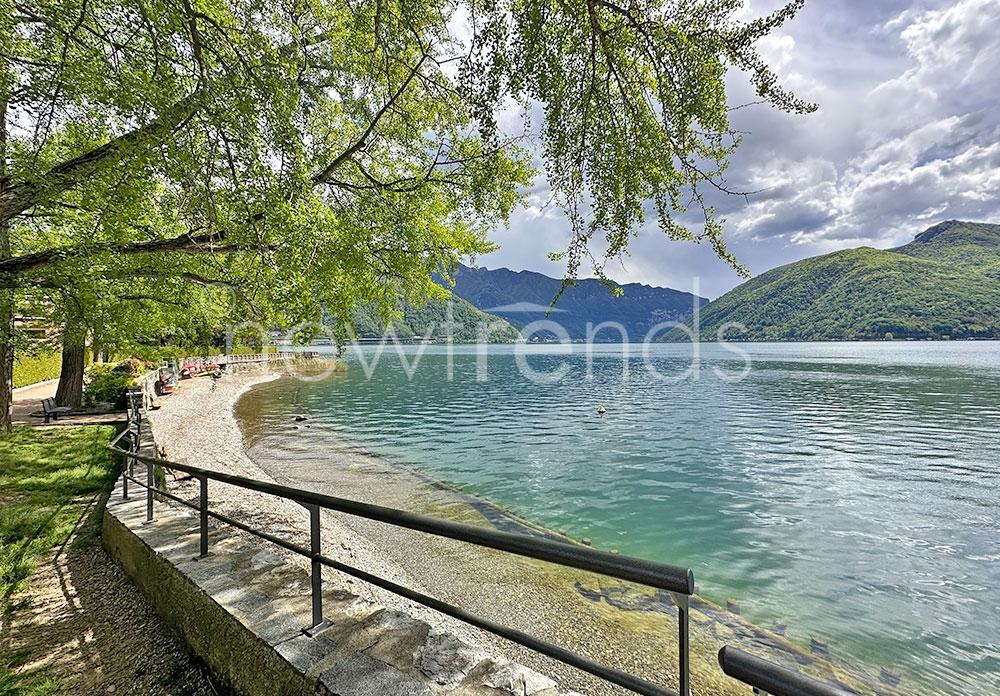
[50, 410]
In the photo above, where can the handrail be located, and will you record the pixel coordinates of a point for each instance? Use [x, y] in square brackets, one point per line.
[260, 357]
[675, 579]
[767, 679]
[770, 679]
[660, 575]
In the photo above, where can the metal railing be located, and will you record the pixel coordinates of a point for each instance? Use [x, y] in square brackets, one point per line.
[769, 679]
[765, 677]
[266, 357]
[679, 582]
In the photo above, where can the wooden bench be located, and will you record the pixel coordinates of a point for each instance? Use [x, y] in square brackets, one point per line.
[50, 410]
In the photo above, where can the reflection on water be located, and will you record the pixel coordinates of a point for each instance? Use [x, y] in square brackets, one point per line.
[848, 489]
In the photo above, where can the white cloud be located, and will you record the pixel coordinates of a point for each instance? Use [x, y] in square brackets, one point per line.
[925, 147]
[908, 134]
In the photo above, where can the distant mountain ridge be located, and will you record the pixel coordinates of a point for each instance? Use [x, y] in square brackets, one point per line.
[943, 284]
[522, 297]
[431, 321]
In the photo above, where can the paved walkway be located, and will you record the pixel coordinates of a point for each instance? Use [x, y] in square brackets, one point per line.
[29, 400]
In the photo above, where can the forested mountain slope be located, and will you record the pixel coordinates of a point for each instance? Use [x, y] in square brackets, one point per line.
[522, 297]
[431, 320]
[943, 284]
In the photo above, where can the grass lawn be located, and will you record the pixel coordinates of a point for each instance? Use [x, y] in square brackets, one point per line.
[50, 481]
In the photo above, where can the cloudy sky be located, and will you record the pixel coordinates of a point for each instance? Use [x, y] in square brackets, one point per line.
[908, 134]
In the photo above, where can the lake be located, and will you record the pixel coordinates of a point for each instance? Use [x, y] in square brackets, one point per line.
[851, 490]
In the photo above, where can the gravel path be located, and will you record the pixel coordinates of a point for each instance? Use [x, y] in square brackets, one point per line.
[84, 624]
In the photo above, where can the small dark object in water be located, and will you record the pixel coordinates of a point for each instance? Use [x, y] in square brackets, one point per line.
[887, 676]
[732, 606]
[300, 418]
[601, 410]
[585, 541]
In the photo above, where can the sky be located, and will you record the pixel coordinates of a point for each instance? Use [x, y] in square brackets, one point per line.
[907, 134]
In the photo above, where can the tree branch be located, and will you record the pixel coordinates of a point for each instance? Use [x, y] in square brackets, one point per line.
[185, 243]
[28, 193]
[324, 176]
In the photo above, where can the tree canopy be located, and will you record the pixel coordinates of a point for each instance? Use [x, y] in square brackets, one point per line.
[302, 155]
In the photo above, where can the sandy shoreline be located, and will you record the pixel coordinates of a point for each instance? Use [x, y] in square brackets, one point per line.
[599, 617]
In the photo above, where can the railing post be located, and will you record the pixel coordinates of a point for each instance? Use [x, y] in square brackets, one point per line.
[203, 515]
[315, 548]
[150, 484]
[127, 465]
[683, 642]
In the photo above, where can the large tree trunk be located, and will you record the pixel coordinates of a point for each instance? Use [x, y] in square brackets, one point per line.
[6, 296]
[6, 353]
[74, 350]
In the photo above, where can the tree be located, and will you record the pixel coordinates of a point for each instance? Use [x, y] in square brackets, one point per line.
[311, 153]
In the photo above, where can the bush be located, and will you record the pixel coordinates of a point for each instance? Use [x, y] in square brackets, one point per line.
[133, 367]
[106, 383]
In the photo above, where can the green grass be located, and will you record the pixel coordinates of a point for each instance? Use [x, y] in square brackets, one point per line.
[50, 484]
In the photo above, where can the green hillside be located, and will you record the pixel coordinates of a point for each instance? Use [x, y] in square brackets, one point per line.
[943, 284]
[431, 317]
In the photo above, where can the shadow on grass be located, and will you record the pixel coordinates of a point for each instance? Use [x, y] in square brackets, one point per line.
[49, 481]
[83, 627]
[51, 484]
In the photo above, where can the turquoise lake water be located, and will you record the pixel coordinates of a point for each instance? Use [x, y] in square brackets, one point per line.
[850, 489]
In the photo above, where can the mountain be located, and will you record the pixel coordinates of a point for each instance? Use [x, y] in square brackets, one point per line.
[432, 317]
[522, 297]
[943, 284]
